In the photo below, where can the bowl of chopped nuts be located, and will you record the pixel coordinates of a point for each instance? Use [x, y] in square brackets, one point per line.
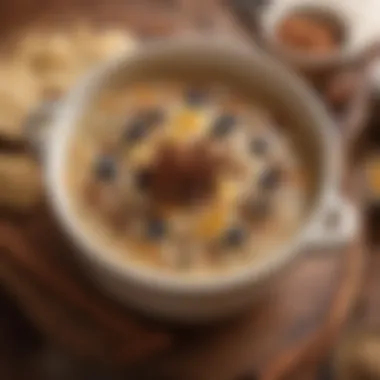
[315, 35]
[310, 35]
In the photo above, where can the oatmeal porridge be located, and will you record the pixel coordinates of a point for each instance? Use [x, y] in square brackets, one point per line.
[185, 177]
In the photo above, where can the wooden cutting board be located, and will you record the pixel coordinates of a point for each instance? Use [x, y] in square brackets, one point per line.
[297, 319]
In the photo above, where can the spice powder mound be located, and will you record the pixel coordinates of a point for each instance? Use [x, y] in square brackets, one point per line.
[182, 175]
[310, 34]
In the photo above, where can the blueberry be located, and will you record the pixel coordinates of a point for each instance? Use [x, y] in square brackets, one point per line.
[234, 237]
[141, 124]
[105, 168]
[143, 179]
[270, 178]
[156, 229]
[223, 125]
[195, 97]
[153, 116]
[136, 130]
[258, 146]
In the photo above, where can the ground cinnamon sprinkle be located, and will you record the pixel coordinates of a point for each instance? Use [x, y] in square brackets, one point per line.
[309, 33]
[181, 176]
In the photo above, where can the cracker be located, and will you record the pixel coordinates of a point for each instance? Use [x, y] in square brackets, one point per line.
[20, 182]
[19, 92]
[95, 47]
[47, 63]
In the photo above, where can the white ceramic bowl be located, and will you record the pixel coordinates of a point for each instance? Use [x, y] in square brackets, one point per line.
[177, 297]
[360, 30]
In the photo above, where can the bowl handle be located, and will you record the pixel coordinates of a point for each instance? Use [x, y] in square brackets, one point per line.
[336, 226]
[38, 126]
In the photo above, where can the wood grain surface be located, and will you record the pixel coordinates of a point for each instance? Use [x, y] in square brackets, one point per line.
[285, 335]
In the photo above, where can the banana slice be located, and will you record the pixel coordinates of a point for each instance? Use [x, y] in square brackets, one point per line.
[215, 217]
[186, 124]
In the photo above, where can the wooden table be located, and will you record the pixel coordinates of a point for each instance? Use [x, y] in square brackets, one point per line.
[285, 336]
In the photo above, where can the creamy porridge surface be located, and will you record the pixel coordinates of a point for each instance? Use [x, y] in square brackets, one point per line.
[184, 177]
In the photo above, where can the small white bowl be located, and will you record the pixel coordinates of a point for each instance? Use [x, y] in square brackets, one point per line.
[203, 299]
[360, 31]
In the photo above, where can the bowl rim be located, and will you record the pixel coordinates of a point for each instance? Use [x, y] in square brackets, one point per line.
[149, 277]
